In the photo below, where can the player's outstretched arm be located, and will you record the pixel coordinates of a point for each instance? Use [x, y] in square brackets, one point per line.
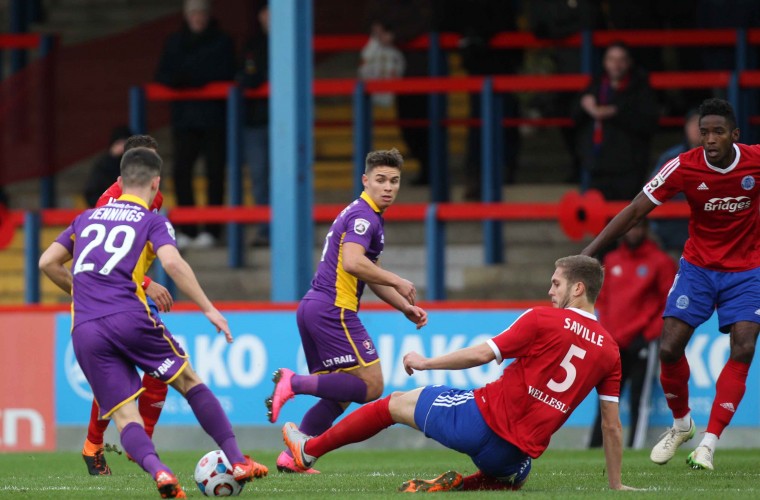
[621, 223]
[458, 360]
[612, 434]
[52, 263]
[182, 274]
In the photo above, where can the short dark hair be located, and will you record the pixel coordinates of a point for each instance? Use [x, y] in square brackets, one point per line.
[583, 269]
[141, 141]
[383, 158]
[718, 107]
[139, 166]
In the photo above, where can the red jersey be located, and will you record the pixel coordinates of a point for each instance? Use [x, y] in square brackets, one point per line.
[641, 276]
[561, 355]
[114, 192]
[724, 222]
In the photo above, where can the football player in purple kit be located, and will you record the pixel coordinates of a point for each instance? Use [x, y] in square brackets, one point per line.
[341, 356]
[719, 270]
[113, 329]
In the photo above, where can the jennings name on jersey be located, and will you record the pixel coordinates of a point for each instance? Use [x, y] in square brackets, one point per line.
[724, 222]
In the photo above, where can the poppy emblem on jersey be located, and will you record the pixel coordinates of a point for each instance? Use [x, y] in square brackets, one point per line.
[748, 182]
[682, 302]
[361, 226]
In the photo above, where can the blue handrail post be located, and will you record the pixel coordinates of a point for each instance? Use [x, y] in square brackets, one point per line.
[234, 176]
[439, 170]
[32, 228]
[435, 237]
[362, 129]
[137, 110]
[491, 172]
[587, 52]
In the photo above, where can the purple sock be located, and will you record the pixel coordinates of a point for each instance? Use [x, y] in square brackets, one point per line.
[139, 446]
[333, 386]
[320, 417]
[214, 421]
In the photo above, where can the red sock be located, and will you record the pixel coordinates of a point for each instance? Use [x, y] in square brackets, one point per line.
[151, 402]
[359, 425]
[674, 378]
[480, 481]
[729, 390]
[97, 427]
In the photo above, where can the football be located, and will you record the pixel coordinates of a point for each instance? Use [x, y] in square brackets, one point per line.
[213, 475]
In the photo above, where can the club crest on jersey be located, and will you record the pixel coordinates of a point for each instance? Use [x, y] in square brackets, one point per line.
[682, 302]
[361, 226]
[170, 228]
[748, 182]
[368, 347]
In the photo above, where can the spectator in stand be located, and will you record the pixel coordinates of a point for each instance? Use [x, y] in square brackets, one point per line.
[406, 20]
[639, 273]
[198, 54]
[255, 73]
[616, 117]
[673, 233]
[107, 167]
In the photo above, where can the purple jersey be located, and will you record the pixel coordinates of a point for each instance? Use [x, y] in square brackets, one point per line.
[112, 247]
[361, 223]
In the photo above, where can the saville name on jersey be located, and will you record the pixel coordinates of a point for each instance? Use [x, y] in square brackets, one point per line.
[584, 332]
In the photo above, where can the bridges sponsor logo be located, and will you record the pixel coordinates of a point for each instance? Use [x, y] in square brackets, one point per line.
[728, 204]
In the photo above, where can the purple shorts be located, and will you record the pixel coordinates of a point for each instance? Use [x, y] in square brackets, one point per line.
[333, 338]
[109, 348]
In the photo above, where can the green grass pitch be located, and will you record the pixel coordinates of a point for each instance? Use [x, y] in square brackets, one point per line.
[563, 474]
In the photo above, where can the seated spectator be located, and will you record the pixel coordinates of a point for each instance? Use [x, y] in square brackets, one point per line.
[107, 167]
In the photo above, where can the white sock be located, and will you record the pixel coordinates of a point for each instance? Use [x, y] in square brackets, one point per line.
[710, 440]
[682, 424]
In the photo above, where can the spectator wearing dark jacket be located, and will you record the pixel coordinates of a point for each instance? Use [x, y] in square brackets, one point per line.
[198, 54]
[615, 118]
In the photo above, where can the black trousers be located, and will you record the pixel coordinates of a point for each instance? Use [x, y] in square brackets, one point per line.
[633, 362]
[189, 145]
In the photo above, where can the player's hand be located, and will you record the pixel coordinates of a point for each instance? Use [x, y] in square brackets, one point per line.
[220, 322]
[414, 361]
[406, 289]
[160, 296]
[416, 315]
